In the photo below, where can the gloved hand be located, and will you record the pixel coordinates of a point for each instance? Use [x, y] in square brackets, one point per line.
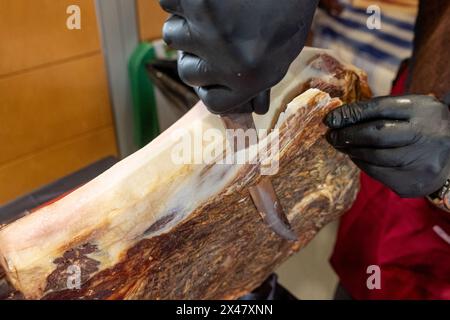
[403, 142]
[234, 51]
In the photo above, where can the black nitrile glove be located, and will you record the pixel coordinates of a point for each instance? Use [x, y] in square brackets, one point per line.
[234, 51]
[403, 142]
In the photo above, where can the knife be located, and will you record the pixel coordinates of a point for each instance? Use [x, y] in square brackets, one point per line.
[263, 193]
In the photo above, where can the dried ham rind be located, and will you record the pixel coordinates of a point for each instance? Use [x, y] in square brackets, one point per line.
[151, 229]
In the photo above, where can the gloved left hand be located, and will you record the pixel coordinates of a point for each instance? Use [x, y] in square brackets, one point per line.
[403, 142]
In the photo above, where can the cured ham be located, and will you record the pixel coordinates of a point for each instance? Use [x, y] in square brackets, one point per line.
[154, 228]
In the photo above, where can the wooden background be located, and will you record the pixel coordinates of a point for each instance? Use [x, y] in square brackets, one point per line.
[55, 111]
[151, 19]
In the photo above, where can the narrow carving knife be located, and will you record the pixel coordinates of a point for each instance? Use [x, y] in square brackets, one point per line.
[263, 194]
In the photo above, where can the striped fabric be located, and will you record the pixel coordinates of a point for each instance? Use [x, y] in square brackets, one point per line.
[378, 51]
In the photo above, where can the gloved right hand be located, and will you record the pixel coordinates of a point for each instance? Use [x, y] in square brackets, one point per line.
[234, 51]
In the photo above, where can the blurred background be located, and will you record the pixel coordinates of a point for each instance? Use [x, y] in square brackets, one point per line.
[75, 101]
[59, 104]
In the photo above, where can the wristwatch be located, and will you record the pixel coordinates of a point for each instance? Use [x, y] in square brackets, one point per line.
[441, 198]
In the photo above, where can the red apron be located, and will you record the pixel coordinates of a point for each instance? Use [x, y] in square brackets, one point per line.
[408, 239]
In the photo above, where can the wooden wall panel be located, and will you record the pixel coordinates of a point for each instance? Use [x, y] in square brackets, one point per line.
[49, 105]
[55, 113]
[28, 173]
[34, 33]
[151, 19]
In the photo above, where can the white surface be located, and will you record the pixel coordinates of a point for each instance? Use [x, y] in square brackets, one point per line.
[308, 274]
[119, 34]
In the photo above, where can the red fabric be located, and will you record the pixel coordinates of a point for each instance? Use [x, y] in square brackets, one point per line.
[400, 82]
[409, 239]
[399, 236]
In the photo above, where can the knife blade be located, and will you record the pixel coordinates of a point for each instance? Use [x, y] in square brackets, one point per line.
[263, 193]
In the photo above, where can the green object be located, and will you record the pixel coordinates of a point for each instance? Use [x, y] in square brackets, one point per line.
[146, 124]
